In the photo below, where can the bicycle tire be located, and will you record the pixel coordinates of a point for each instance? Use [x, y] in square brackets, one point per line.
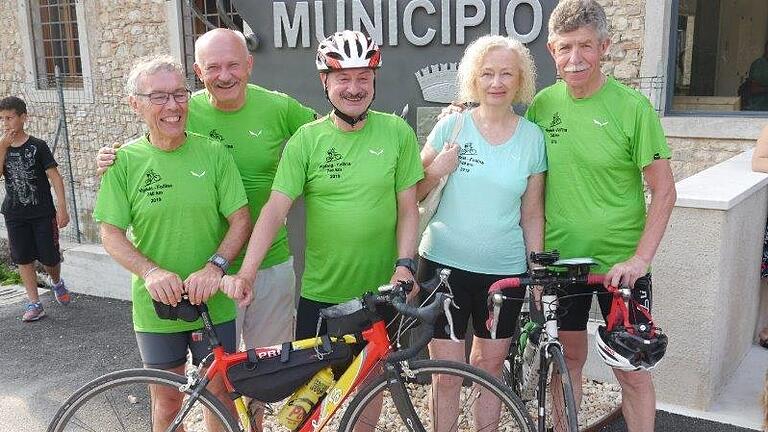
[101, 401]
[512, 418]
[568, 413]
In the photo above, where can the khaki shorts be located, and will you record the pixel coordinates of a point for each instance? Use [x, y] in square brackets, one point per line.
[270, 318]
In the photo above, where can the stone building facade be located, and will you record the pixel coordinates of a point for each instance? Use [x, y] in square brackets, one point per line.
[117, 32]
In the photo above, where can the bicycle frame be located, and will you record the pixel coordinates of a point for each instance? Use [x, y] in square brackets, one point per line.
[377, 348]
[374, 353]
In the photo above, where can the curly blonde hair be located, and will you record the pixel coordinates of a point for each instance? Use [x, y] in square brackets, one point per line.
[470, 64]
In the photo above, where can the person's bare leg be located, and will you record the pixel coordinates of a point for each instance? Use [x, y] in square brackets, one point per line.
[29, 280]
[166, 402]
[638, 400]
[575, 352]
[54, 272]
[444, 401]
[488, 355]
[220, 391]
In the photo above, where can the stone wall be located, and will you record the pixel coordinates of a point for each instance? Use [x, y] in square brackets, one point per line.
[625, 18]
[691, 155]
[117, 32]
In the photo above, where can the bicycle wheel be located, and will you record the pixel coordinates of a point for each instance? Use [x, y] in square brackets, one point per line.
[472, 409]
[559, 398]
[119, 401]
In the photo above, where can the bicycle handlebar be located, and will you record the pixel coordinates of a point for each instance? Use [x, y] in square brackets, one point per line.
[549, 278]
[427, 315]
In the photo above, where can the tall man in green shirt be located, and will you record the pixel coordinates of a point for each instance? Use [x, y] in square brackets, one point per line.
[252, 123]
[602, 140]
[357, 170]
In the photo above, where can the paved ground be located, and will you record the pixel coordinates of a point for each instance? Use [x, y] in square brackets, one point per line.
[44, 362]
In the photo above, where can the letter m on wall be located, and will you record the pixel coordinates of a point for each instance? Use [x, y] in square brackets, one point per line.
[284, 26]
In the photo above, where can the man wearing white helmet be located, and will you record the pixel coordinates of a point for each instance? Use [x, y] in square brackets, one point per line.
[357, 170]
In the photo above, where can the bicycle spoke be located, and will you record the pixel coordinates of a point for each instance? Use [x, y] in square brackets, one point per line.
[455, 407]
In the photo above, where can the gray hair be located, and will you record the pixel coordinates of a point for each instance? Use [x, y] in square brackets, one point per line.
[571, 15]
[219, 31]
[150, 66]
[471, 62]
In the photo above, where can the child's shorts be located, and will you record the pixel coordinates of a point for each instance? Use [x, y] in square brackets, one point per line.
[34, 239]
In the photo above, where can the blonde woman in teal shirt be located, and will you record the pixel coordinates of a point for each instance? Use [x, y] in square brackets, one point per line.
[491, 213]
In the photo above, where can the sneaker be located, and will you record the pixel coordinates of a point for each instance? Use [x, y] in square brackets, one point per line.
[34, 312]
[61, 293]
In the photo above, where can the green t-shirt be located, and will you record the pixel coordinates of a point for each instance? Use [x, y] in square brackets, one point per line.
[350, 182]
[175, 205]
[254, 135]
[597, 148]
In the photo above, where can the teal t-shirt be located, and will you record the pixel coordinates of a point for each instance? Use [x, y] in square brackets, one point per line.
[597, 148]
[477, 224]
[174, 206]
[350, 182]
[254, 135]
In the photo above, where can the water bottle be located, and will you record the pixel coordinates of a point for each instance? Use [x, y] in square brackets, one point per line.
[301, 402]
[530, 364]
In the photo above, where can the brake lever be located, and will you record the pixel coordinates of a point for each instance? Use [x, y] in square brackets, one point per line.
[447, 310]
[444, 274]
[497, 298]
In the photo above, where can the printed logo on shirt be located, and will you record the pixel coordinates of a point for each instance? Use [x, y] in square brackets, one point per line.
[467, 161]
[377, 152]
[599, 123]
[555, 128]
[197, 174]
[334, 166]
[151, 177]
[214, 134]
[255, 134]
[331, 155]
[153, 187]
[555, 120]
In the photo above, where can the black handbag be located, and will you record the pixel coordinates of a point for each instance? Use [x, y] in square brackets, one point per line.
[275, 378]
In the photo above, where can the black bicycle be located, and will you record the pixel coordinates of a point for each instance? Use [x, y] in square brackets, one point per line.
[536, 361]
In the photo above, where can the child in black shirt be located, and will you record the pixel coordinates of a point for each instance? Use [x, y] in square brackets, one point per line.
[31, 218]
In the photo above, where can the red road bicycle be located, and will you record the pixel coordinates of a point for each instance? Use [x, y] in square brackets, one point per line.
[382, 374]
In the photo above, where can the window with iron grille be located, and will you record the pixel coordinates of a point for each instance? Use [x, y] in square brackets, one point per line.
[56, 42]
[193, 27]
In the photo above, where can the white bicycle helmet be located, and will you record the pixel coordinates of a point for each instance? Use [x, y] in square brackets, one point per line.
[347, 49]
[626, 346]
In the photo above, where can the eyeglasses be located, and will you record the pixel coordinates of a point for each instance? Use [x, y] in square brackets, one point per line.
[161, 98]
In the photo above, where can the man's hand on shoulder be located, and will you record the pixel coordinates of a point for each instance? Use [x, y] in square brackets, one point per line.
[204, 283]
[237, 288]
[627, 272]
[454, 107]
[105, 158]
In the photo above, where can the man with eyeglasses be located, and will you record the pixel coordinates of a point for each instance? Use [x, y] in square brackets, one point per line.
[182, 198]
[252, 123]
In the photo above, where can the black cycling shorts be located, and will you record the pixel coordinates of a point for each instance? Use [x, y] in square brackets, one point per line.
[573, 313]
[34, 239]
[169, 350]
[471, 295]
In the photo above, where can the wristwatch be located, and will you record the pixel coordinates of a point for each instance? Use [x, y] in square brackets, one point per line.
[408, 263]
[220, 262]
